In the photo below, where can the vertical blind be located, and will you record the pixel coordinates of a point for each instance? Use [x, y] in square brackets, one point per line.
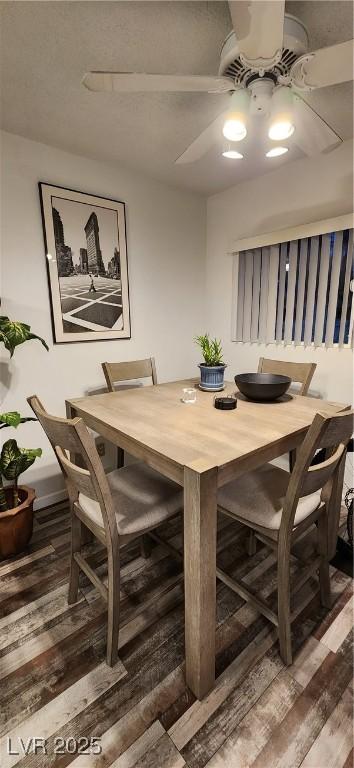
[300, 291]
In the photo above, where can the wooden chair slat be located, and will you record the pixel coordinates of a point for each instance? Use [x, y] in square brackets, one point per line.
[301, 373]
[129, 371]
[317, 476]
[132, 370]
[79, 477]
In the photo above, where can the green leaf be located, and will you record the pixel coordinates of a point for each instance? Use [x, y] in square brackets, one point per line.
[13, 419]
[10, 419]
[31, 453]
[10, 451]
[12, 334]
[15, 460]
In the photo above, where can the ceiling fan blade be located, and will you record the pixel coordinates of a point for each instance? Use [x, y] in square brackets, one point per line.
[131, 82]
[312, 134]
[327, 66]
[201, 145]
[258, 26]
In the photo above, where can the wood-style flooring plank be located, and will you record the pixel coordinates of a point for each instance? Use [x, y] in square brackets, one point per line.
[163, 753]
[14, 629]
[256, 703]
[20, 562]
[198, 714]
[296, 733]
[127, 731]
[137, 750]
[99, 716]
[17, 590]
[349, 763]
[335, 740]
[210, 737]
[342, 591]
[254, 731]
[65, 707]
[52, 512]
[338, 630]
[74, 618]
[41, 680]
[32, 690]
[308, 660]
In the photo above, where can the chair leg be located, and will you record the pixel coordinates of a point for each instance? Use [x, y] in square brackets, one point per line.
[284, 626]
[86, 535]
[113, 604]
[251, 543]
[145, 546]
[325, 584]
[76, 531]
[292, 459]
[120, 458]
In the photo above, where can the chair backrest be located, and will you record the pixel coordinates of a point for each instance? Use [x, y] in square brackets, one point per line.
[301, 373]
[129, 371]
[70, 439]
[331, 433]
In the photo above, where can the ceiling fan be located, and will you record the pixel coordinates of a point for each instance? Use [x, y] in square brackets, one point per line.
[264, 67]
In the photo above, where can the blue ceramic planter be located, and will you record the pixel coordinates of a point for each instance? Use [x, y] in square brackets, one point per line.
[211, 377]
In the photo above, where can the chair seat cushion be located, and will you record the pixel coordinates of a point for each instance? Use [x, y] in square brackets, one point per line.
[258, 497]
[142, 498]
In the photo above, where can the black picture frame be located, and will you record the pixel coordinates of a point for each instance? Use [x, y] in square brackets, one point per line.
[88, 286]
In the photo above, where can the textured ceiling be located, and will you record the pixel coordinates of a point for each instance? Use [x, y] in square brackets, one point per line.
[48, 46]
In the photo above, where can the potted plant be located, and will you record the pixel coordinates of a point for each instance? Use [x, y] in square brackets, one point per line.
[212, 370]
[16, 502]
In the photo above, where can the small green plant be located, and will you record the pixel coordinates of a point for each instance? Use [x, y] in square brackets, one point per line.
[211, 349]
[14, 460]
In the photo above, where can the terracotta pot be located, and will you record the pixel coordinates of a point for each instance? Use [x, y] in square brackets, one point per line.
[16, 524]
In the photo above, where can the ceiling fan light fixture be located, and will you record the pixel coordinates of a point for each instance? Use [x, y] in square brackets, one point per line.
[231, 154]
[281, 130]
[235, 125]
[282, 117]
[277, 151]
[234, 129]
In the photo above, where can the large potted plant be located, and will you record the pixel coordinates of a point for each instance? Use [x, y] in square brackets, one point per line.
[212, 370]
[16, 502]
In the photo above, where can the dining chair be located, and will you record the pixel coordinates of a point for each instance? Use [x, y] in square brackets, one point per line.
[117, 508]
[132, 370]
[279, 507]
[300, 373]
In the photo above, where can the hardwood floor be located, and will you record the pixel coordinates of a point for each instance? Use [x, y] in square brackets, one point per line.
[54, 682]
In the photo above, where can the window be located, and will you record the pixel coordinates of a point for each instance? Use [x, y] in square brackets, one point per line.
[299, 290]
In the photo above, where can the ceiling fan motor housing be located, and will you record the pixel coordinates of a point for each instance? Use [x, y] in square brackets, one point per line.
[295, 44]
[261, 94]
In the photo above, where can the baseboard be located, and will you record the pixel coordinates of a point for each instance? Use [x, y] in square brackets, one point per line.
[50, 498]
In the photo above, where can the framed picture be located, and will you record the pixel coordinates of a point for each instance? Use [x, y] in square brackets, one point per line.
[86, 252]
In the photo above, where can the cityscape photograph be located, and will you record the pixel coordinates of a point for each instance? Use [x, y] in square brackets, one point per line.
[89, 268]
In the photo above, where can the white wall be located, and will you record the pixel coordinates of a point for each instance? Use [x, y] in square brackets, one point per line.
[166, 255]
[170, 301]
[298, 193]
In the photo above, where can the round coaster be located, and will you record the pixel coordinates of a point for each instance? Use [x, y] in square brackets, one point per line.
[205, 389]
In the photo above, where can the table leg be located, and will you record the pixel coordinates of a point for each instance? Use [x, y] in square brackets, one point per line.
[200, 489]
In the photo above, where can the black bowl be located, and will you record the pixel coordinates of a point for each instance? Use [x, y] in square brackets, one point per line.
[262, 386]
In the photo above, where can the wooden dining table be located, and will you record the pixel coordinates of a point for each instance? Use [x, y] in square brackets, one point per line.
[201, 448]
